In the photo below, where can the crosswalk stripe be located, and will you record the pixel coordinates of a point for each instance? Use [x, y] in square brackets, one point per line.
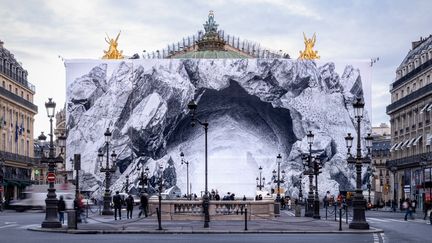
[8, 225]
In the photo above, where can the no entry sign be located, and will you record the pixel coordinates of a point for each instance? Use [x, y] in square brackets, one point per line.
[51, 177]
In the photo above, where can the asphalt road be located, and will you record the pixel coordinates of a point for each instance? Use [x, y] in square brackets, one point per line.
[13, 228]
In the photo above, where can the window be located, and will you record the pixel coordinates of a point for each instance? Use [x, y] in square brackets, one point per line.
[402, 93]
[10, 88]
[16, 91]
[22, 94]
[428, 78]
[408, 90]
[28, 98]
[4, 84]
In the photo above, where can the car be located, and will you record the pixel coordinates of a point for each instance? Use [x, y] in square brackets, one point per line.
[36, 200]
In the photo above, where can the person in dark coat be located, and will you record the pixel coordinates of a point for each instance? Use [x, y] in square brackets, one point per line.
[61, 209]
[117, 200]
[144, 205]
[129, 206]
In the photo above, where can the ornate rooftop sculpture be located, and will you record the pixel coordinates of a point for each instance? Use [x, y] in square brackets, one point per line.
[309, 53]
[112, 52]
[211, 40]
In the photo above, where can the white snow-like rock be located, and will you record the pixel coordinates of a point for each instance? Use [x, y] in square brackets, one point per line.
[256, 109]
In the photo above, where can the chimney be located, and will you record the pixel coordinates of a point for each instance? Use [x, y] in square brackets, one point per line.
[1, 44]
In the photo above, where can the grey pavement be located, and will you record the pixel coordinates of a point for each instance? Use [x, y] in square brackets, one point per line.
[286, 223]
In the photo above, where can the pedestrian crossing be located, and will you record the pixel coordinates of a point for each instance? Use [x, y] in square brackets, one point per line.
[390, 220]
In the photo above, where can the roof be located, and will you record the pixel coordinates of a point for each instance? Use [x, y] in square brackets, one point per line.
[214, 44]
[211, 54]
[418, 47]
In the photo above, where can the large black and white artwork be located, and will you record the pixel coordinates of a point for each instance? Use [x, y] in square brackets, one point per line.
[256, 109]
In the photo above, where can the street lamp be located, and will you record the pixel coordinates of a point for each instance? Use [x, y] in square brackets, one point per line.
[127, 185]
[309, 211]
[260, 180]
[183, 161]
[279, 179]
[300, 191]
[206, 199]
[394, 170]
[359, 218]
[143, 178]
[108, 170]
[317, 167]
[369, 173]
[2, 163]
[51, 212]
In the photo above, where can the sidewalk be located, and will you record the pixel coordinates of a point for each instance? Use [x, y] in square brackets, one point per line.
[285, 224]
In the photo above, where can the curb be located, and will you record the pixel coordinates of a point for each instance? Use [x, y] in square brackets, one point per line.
[167, 231]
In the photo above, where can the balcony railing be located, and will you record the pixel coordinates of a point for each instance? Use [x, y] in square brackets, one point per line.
[18, 99]
[407, 162]
[410, 98]
[411, 74]
[14, 76]
[16, 157]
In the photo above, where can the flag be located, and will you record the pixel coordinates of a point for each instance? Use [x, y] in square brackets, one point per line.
[16, 132]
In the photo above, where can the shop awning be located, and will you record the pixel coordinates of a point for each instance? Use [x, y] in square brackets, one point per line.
[411, 141]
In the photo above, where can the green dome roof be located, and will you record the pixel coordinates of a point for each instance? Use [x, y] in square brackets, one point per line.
[211, 54]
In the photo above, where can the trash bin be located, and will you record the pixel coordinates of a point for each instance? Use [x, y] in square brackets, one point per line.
[297, 211]
[71, 218]
[277, 209]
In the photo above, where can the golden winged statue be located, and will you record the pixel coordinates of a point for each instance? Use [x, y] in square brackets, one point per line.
[112, 52]
[309, 53]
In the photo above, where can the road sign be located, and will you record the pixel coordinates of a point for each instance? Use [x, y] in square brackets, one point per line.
[51, 177]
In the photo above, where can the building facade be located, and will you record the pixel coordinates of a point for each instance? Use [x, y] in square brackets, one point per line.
[410, 114]
[380, 180]
[17, 112]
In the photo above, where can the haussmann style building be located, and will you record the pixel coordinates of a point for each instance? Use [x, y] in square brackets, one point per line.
[410, 114]
[17, 112]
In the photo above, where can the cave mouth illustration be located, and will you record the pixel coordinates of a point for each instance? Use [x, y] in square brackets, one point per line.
[244, 133]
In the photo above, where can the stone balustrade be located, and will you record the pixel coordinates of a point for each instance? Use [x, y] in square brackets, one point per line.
[219, 210]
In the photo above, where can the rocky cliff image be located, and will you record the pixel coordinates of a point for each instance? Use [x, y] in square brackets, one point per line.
[256, 109]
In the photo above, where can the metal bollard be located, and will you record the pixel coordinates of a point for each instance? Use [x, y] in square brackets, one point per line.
[246, 219]
[340, 219]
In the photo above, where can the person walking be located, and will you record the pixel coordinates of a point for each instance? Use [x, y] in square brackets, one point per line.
[61, 209]
[426, 208]
[129, 206]
[144, 205]
[407, 206]
[117, 200]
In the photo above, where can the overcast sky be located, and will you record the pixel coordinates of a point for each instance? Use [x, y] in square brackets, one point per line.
[37, 32]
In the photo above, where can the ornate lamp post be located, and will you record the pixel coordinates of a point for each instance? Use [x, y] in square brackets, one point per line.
[260, 180]
[206, 198]
[317, 167]
[300, 191]
[310, 199]
[108, 170]
[369, 173]
[183, 161]
[359, 218]
[279, 180]
[394, 170]
[143, 178]
[51, 219]
[2, 162]
[127, 185]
